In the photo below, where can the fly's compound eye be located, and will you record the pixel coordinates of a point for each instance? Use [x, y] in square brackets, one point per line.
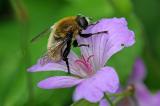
[82, 22]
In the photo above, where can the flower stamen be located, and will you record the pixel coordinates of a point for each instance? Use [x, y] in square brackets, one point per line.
[85, 64]
[89, 58]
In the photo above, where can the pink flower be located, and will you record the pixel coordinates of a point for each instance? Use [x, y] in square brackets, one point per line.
[143, 97]
[142, 93]
[89, 73]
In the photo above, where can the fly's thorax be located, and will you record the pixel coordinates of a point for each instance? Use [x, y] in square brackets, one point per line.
[64, 30]
[65, 26]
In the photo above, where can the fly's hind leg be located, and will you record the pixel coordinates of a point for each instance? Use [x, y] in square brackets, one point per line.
[67, 51]
[65, 58]
[67, 63]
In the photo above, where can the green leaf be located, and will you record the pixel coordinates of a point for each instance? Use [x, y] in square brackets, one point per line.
[83, 102]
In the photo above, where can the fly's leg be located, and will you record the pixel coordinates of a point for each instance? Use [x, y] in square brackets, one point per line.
[65, 57]
[90, 34]
[75, 44]
[67, 51]
[67, 63]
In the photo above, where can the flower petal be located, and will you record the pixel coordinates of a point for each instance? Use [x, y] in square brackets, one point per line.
[47, 67]
[156, 99]
[59, 82]
[104, 45]
[138, 73]
[93, 88]
[103, 102]
[142, 94]
[52, 66]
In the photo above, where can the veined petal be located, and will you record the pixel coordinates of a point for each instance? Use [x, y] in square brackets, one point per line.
[59, 82]
[93, 88]
[51, 66]
[61, 66]
[104, 45]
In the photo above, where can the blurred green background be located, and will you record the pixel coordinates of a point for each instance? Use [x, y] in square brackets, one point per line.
[21, 20]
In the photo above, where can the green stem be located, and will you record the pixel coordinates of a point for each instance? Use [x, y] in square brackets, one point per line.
[124, 93]
[117, 99]
[109, 100]
[120, 96]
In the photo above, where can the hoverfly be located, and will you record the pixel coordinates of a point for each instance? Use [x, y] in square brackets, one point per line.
[63, 35]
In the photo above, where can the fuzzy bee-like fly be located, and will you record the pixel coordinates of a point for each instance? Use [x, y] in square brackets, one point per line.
[63, 35]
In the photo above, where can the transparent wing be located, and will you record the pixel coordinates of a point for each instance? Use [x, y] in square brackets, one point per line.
[54, 53]
[40, 35]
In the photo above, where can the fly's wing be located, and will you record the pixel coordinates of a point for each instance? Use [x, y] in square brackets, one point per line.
[54, 53]
[43, 33]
